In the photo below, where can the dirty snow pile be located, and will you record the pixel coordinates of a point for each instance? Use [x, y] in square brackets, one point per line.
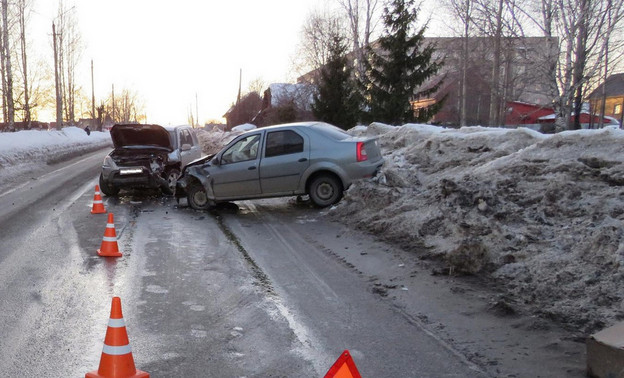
[24, 150]
[212, 141]
[543, 215]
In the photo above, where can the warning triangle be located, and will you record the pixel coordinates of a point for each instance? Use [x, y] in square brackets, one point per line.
[344, 367]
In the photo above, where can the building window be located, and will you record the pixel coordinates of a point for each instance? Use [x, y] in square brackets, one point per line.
[617, 109]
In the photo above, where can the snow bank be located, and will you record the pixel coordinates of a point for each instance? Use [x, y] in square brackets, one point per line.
[26, 148]
[543, 215]
[244, 127]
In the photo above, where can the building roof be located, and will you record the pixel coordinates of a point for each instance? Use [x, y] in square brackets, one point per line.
[614, 86]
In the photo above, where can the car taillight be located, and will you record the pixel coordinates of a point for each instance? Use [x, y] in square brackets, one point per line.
[361, 152]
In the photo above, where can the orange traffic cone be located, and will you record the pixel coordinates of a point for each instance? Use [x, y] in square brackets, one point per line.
[109, 247]
[117, 360]
[344, 367]
[98, 205]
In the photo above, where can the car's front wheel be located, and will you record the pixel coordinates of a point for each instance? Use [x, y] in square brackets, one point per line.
[325, 190]
[108, 189]
[197, 197]
[172, 178]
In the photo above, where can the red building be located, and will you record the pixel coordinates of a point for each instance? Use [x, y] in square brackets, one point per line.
[519, 113]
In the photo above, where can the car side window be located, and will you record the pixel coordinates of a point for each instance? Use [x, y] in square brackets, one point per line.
[243, 150]
[283, 143]
[185, 138]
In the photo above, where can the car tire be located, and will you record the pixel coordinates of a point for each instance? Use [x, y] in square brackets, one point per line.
[325, 190]
[172, 178]
[107, 189]
[197, 197]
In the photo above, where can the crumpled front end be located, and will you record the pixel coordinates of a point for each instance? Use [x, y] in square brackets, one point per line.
[125, 169]
[193, 175]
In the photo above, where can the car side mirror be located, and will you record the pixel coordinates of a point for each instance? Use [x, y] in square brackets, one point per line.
[216, 160]
[185, 147]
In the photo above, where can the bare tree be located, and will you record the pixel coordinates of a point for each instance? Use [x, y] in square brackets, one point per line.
[316, 36]
[614, 16]
[580, 26]
[125, 108]
[23, 8]
[363, 17]
[7, 73]
[462, 10]
[257, 85]
[70, 50]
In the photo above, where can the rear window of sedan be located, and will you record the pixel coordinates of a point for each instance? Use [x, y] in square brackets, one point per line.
[330, 131]
[283, 143]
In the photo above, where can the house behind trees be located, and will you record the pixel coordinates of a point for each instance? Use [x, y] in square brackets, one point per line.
[611, 93]
[524, 77]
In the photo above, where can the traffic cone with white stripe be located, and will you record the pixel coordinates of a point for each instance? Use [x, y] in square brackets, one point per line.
[109, 247]
[98, 205]
[117, 360]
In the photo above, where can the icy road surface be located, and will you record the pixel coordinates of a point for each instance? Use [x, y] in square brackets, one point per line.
[261, 288]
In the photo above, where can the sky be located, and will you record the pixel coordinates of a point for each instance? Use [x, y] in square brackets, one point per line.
[172, 53]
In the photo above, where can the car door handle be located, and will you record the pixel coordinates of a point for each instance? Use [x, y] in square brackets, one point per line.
[252, 168]
[302, 160]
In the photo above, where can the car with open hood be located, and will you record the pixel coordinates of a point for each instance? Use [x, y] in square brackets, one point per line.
[313, 158]
[147, 156]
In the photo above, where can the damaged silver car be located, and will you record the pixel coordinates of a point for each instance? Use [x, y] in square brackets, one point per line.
[147, 156]
[311, 158]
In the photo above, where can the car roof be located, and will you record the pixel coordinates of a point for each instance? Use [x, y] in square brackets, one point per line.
[294, 124]
[171, 128]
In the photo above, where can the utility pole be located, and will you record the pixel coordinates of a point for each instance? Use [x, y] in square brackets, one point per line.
[92, 93]
[59, 103]
[113, 103]
[196, 110]
[240, 80]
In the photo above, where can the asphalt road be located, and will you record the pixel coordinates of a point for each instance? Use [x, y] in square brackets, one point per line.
[268, 288]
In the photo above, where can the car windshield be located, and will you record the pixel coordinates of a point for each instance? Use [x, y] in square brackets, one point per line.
[330, 131]
[172, 138]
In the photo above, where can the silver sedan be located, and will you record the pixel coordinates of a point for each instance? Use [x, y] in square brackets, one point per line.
[311, 158]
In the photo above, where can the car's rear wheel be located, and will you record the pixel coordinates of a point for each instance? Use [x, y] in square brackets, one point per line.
[108, 189]
[172, 178]
[325, 190]
[197, 197]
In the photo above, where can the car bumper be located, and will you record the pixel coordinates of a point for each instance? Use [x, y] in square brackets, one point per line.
[133, 177]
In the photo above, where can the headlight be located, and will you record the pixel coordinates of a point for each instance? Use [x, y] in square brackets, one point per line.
[109, 162]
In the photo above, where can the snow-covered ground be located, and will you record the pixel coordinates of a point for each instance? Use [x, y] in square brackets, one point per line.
[541, 215]
[29, 149]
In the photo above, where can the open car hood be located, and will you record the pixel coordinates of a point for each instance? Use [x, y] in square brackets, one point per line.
[140, 135]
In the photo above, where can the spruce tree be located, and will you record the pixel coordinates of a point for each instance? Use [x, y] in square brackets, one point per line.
[399, 64]
[337, 101]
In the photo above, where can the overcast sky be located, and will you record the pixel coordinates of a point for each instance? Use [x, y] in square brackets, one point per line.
[169, 51]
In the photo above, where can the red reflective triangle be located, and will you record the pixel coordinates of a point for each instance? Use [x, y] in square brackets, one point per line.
[344, 367]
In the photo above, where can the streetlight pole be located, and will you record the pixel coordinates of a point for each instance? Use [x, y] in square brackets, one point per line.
[59, 103]
[93, 94]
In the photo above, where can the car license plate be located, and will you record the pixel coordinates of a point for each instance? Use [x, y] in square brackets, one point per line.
[130, 171]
